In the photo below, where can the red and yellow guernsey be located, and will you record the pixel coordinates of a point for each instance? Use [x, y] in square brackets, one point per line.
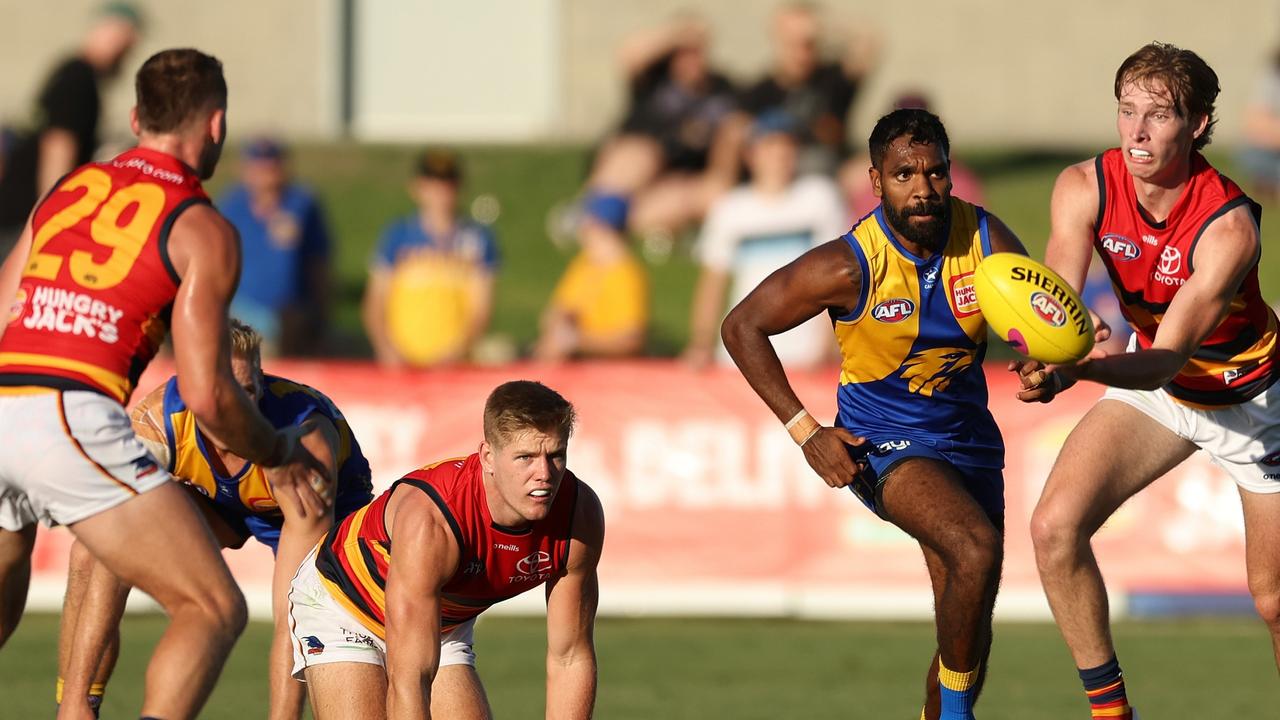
[1150, 261]
[495, 563]
[93, 303]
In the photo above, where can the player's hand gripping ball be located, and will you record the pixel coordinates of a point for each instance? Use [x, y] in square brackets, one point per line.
[1032, 309]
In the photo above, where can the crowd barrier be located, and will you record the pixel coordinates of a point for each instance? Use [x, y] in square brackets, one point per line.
[711, 509]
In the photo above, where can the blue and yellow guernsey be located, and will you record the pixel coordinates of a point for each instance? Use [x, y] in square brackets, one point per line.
[244, 500]
[913, 346]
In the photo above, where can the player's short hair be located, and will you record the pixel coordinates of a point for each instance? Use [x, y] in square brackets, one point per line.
[1192, 85]
[921, 126]
[174, 86]
[526, 405]
[245, 341]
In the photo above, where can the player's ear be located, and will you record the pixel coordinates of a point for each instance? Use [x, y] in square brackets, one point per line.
[134, 126]
[218, 125]
[486, 457]
[875, 181]
[1201, 124]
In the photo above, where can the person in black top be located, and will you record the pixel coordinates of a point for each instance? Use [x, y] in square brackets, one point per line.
[63, 132]
[818, 93]
[663, 154]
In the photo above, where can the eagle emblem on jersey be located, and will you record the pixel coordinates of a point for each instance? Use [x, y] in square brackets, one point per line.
[932, 369]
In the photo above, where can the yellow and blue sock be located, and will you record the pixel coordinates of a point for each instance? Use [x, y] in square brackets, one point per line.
[959, 691]
[1104, 686]
[96, 691]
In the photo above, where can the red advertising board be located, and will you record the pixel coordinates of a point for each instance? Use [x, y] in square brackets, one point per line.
[712, 509]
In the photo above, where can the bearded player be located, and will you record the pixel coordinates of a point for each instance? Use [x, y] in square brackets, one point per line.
[112, 256]
[383, 612]
[913, 439]
[1181, 244]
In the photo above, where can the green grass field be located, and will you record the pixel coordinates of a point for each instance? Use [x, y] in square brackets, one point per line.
[697, 669]
[363, 187]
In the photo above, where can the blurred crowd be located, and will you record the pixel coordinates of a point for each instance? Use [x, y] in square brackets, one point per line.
[745, 173]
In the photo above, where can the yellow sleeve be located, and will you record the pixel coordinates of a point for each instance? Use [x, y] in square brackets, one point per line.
[569, 289]
[148, 424]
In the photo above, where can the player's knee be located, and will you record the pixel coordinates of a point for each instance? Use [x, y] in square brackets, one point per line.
[1052, 534]
[1267, 603]
[978, 552]
[223, 609]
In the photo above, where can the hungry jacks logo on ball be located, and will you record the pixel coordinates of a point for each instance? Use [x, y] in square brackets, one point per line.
[1066, 304]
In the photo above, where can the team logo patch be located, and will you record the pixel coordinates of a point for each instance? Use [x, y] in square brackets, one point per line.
[963, 295]
[538, 562]
[314, 646]
[1121, 247]
[19, 304]
[1170, 260]
[893, 311]
[1048, 309]
[144, 466]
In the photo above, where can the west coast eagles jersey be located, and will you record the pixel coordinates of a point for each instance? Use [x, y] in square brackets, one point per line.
[913, 346]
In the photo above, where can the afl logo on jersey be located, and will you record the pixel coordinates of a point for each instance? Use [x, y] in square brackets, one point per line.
[893, 311]
[1121, 247]
[1048, 309]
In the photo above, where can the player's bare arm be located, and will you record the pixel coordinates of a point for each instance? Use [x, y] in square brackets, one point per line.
[1226, 252]
[426, 557]
[827, 276]
[11, 270]
[1073, 215]
[571, 615]
[202, 246]
[300, 532]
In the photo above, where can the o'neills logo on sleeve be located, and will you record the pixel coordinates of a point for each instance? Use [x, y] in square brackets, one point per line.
[69, 312]
[1069, 305]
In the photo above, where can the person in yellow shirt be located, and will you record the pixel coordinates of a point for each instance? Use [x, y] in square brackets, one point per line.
[430, 291]
[600, 307]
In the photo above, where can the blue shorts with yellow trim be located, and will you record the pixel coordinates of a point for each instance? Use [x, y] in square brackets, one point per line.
[883, 452]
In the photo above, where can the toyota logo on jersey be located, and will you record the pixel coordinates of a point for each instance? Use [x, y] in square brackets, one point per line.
[1170, 260]
[535, 564]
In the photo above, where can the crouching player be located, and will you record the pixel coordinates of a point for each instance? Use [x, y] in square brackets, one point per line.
[237, 503]
[383, 611]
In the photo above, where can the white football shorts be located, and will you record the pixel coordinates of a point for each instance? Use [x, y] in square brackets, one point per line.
[68, 455]
[325, 632]
[1243, 440]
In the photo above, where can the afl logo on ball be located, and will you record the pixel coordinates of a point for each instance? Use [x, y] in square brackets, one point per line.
[892, 311]
[1048, 309]
[1121, 247]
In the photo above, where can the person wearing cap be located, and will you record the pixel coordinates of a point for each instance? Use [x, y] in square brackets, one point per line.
[63, 130]
[430, 291]
[284, 277]
[600, 306]
[756, 229]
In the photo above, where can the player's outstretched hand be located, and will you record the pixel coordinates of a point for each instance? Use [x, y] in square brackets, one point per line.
[300, 474]
[1038, 383]
[828, 454]
[1101, 330]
